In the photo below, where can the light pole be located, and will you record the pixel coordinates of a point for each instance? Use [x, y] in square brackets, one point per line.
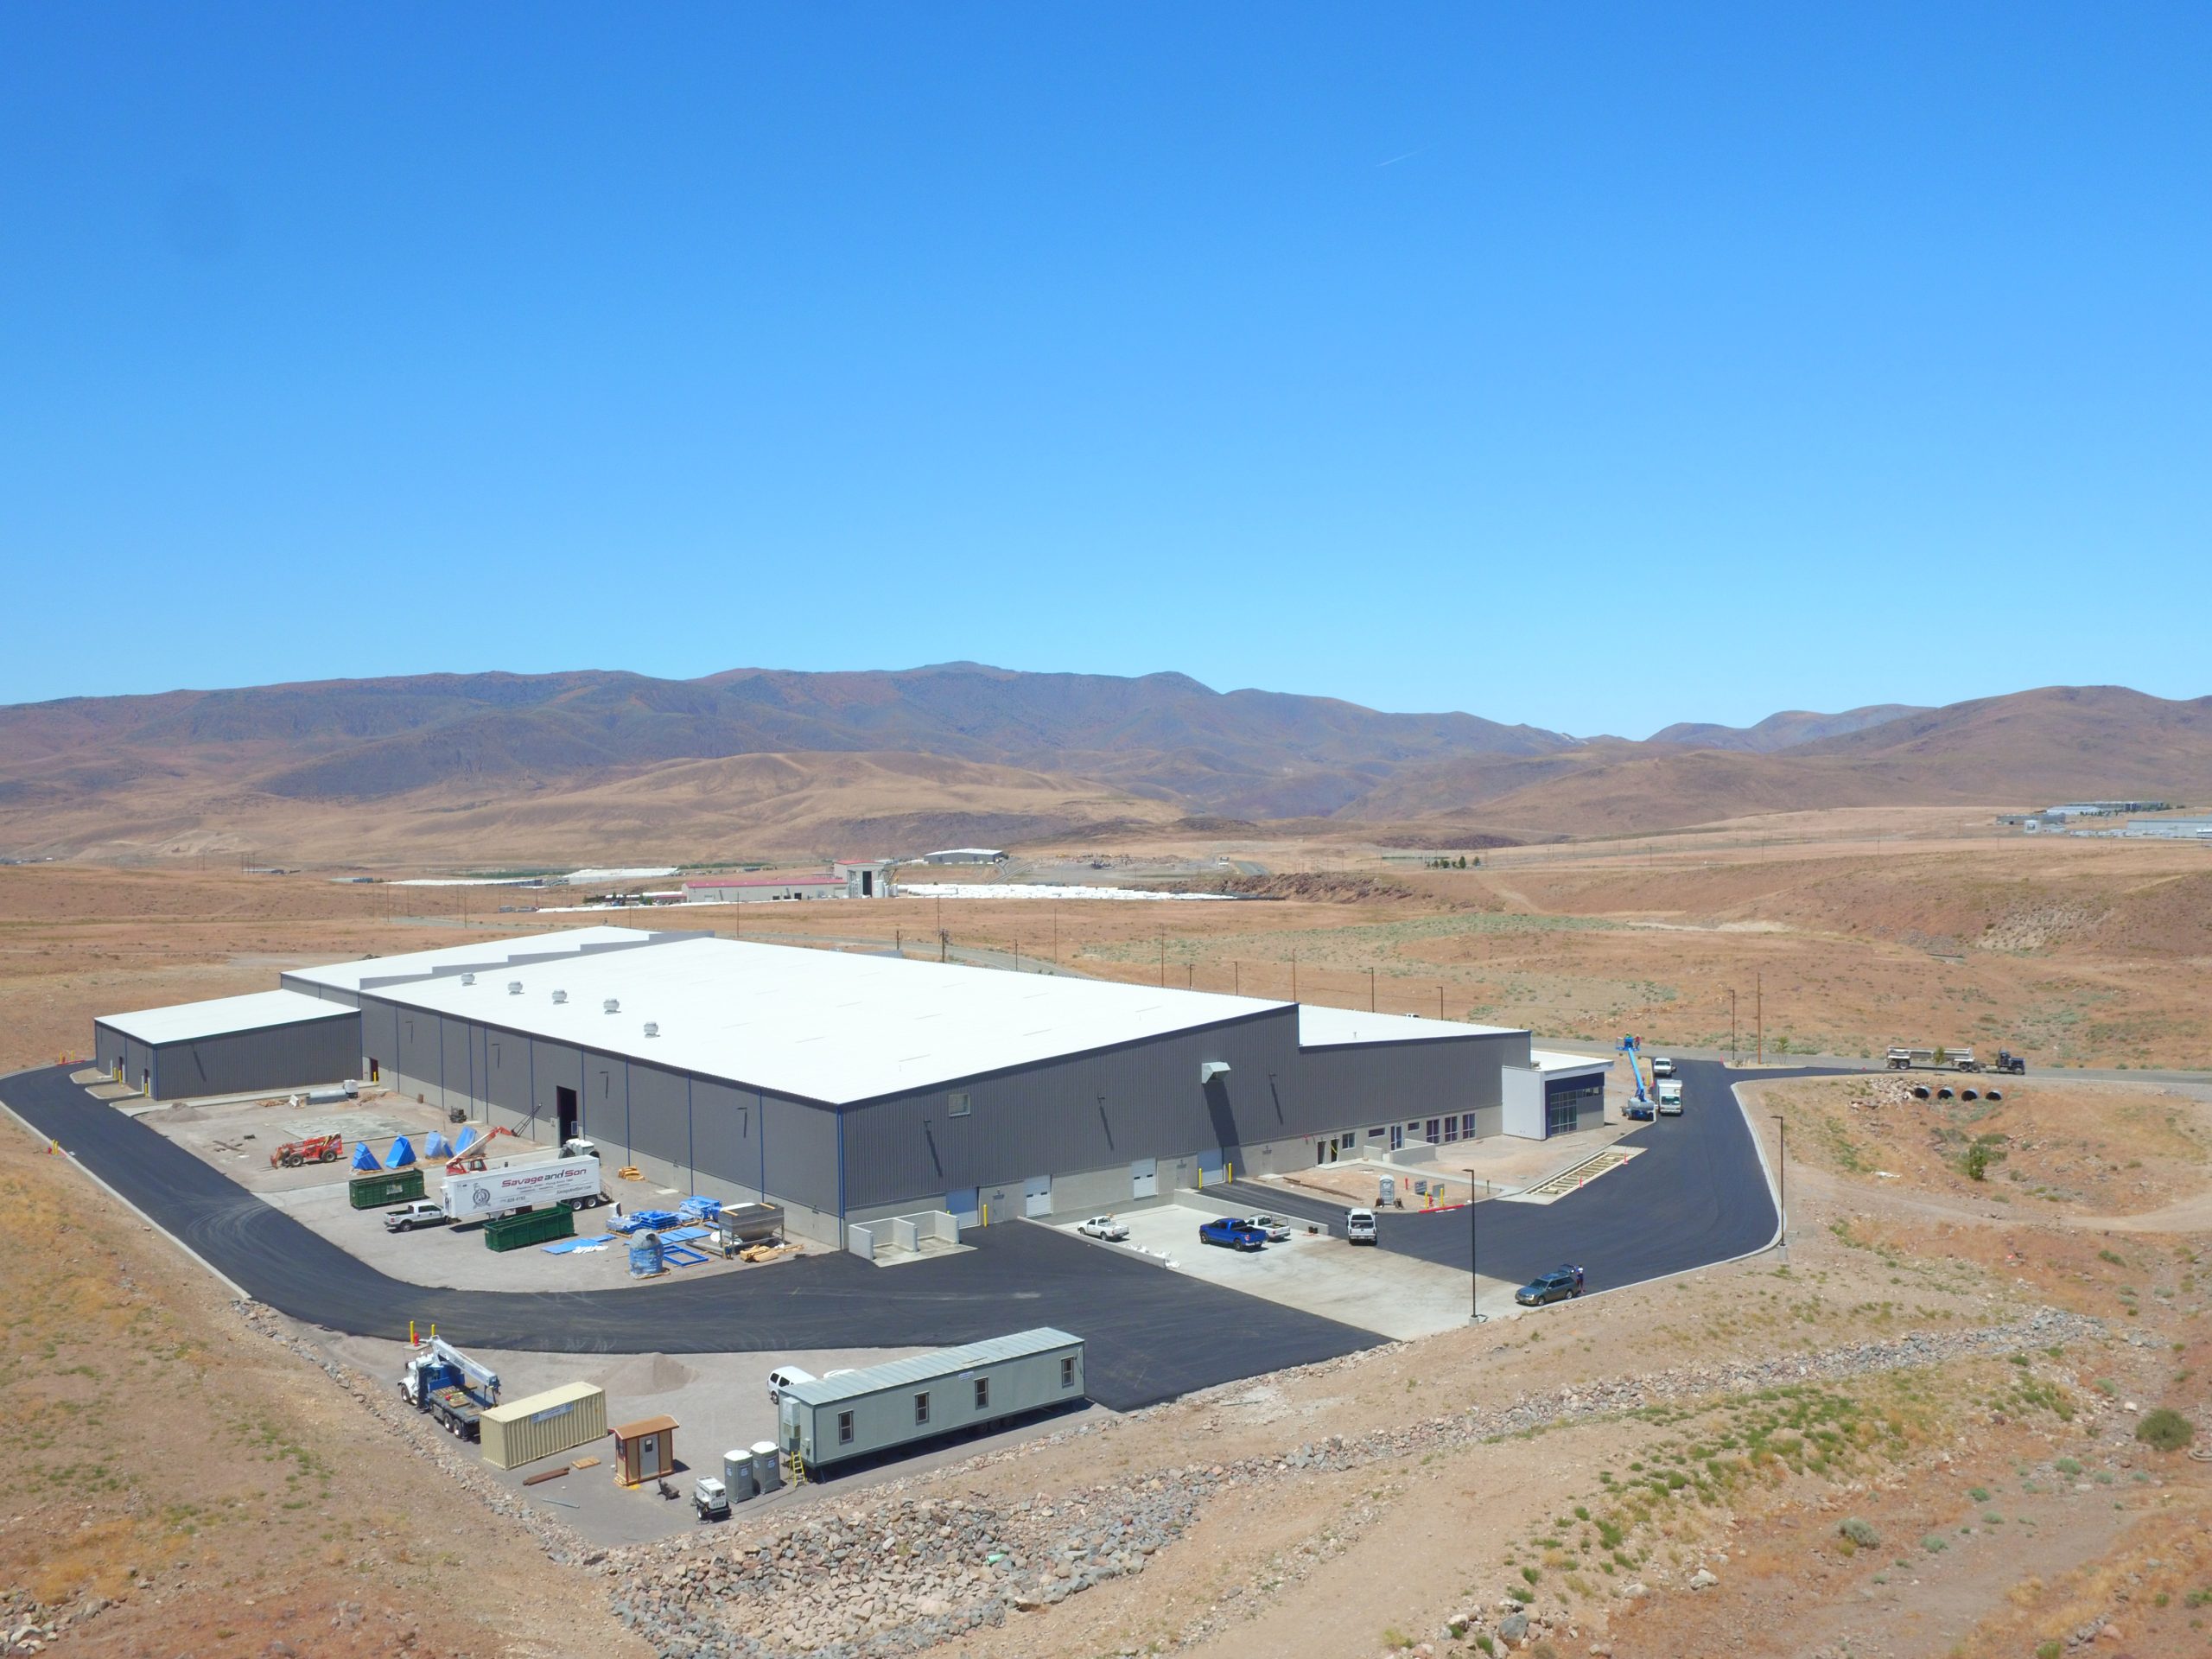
[1476, 1315]
[1783, 1170]
[1731, 1025]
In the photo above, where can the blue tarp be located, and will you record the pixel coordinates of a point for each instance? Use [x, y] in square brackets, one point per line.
[640, 1218]
[435, 1146]
[464, 1139]
[402, 1155]
[364, 1158]
[700, 1208]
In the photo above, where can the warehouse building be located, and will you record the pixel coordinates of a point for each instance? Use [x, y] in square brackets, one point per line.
[263, 1042]
[850, 1088]
[754, 889]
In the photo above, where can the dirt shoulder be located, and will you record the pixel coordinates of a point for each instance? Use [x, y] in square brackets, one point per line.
[179, 1483]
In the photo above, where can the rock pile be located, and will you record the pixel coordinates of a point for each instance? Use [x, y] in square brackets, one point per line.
[870, 1582]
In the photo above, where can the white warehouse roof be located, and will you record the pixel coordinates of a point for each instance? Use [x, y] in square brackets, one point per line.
[189, 1021]
[487, 958]
[1320, 1028]
[816, 1024]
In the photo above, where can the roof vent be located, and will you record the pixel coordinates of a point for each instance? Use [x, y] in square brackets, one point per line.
[560, 996]
[652, 1028]
[468, 979]
[612, 1006]
[514, 987]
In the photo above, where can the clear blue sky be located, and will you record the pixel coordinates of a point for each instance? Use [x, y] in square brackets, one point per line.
[1595, 366]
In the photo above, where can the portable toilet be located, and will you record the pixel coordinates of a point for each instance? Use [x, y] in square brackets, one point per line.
[767, 1468]
[737, 1475]
[1386, 1191]
[644, 1450]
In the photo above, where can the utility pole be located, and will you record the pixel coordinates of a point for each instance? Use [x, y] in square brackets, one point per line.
[1191, 974]
[1731, 1025]
[1475, 1315]
[1370, 990]
[1294, 974]
[1783, 1170]
[1758, 1006]
[1163, 962]
[1235, 977]
[1017, 955]
[1439, 1002]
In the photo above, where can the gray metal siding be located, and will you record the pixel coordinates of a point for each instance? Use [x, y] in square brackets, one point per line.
[271, 1058]
[1358, 1086]
[1087, 1112]
[726, 1138]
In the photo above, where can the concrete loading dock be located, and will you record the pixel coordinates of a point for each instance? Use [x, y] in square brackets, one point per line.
[910, 1402]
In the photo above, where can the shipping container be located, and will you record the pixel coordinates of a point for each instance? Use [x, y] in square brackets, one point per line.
[384, 1188]
[559, 1419]
[910, 1401]
[532, 1227]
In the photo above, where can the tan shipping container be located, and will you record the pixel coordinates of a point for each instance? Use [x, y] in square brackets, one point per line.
[559, 1419]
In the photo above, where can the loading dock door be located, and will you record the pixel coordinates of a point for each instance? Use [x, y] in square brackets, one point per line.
[564, 1109]
[1213, 1168]
[1144, 1178]
[964, 1206]
[1037, 1196]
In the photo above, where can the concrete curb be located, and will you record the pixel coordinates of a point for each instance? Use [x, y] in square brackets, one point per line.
[153, 1226]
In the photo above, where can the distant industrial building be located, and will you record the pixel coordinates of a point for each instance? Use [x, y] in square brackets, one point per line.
[749, 889]
[849, 1088]
[963, 855]
[2169, 828]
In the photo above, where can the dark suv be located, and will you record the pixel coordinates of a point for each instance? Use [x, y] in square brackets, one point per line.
[1557, 1286]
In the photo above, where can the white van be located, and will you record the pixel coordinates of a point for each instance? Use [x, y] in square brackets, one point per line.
[1670, 1098]
[1359, 1226]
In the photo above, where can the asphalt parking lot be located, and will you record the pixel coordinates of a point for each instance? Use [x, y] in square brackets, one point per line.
[1697, 1196]
[1152, 1334]
[1391, 1295]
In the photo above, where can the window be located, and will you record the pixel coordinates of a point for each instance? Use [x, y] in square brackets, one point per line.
[957, 1105]
[1376, 1135]
[982, 1393]
[1434, 1132]
[844, 1428]
[1450, 1128]
[921, 1410]
[1569, 1100]
[1067, 1371]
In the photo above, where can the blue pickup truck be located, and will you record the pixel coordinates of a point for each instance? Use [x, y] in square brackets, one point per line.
[1235, 1235]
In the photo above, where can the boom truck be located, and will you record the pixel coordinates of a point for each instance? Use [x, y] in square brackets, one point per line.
[449, 1385]
[1641, 1105]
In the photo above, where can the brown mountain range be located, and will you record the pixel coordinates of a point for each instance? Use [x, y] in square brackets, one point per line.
[498, 767]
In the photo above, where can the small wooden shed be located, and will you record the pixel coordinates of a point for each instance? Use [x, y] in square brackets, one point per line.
[644, 1450]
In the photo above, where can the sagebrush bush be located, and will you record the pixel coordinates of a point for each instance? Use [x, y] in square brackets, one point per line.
[2165, 1429]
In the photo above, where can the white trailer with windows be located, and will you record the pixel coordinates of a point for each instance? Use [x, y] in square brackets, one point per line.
[825, 1420]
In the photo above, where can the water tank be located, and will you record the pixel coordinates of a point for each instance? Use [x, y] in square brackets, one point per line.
[737, 1475]
[767, 1469]
[644, 1256]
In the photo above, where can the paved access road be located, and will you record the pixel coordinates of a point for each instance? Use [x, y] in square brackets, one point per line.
[1697, 1196]
[1152, 1333]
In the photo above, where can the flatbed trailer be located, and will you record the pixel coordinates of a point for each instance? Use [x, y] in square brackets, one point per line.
[1956, 1059]
[458, 1411]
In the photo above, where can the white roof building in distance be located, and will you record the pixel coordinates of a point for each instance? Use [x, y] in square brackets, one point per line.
[965, 856]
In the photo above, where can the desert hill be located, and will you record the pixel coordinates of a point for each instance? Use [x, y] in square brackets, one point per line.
[485, 768]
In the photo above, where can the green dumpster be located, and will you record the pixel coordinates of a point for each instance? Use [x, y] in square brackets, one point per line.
[384, 1188]
[530, 1227]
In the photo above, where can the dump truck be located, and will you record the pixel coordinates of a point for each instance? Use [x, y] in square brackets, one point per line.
[1955, 1059]
[449, 1385]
